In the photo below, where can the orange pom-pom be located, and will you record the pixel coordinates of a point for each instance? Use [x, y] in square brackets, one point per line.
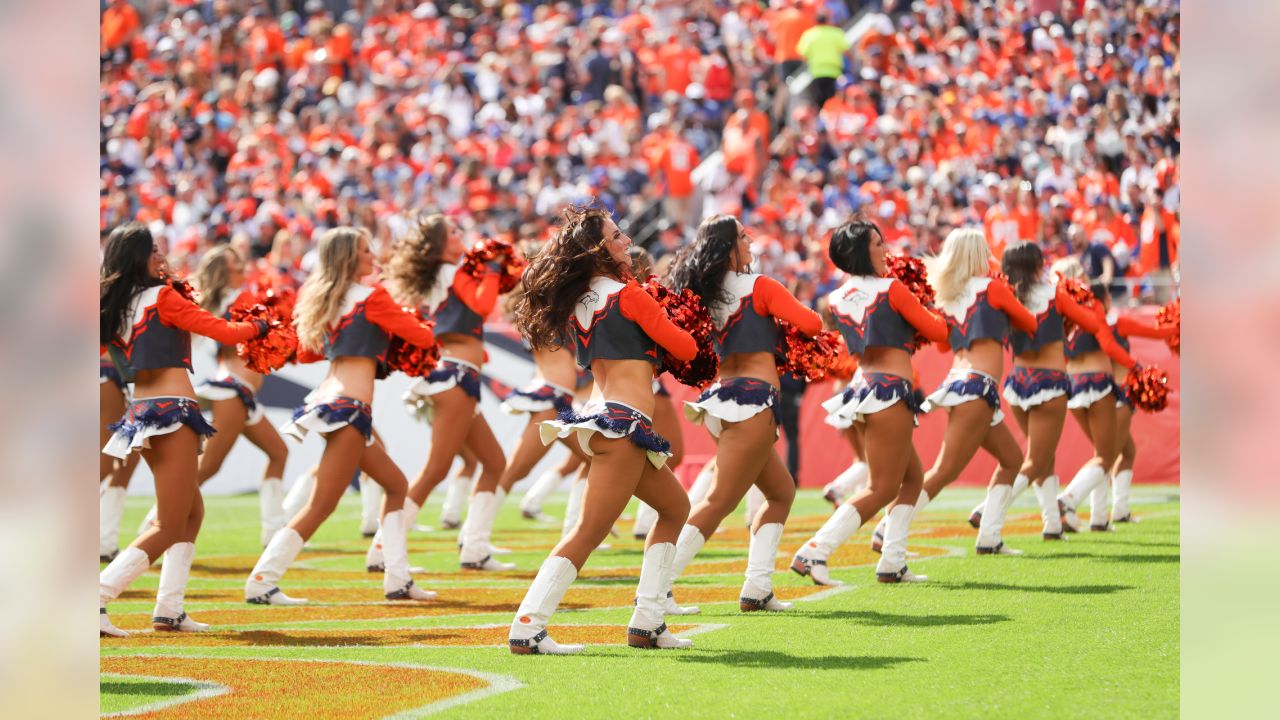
[490, 250]
[1148, 389]
[688, 313]
[412, 360]
[1080, 292]
[280, 345]
[1171, 316]
[808, 357]
[910, 271]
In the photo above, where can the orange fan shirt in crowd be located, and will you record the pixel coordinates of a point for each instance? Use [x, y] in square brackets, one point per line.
[117, 22]
[786, 26]
[1149, 256]
[678, 160]
[1002, 229]
[678, 61]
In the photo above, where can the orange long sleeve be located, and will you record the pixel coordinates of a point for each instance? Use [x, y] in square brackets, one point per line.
[930, 324]
[1106, 340]
[1129, 327]
[1003, 299]
[1077, 313]
[479, 295]
[383, 311]
[639, 307]
[773, 300]
[181, 313]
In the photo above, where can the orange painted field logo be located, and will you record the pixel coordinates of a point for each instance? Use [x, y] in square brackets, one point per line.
[304, 688]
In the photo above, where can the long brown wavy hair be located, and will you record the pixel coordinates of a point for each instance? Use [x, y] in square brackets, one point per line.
[559, 274]
[415, 261]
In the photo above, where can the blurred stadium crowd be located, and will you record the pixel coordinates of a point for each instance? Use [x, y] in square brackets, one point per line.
[262, 123]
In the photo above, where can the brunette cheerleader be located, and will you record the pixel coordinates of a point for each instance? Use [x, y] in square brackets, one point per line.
[1094, 396]
[580, 291]
[978, 310]
[425, 272]
[741, 409]
[665, 420]
[351, 324]
[113, 474]
[1038, 388]
[879, 319]
[148, 324]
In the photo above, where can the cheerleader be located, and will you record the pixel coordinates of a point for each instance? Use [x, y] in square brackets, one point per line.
[1122, 474]
[1094, 397]
[1038, 388]
[149, 324]
[351, 324]
[424, 271]
[665, 420]
[741, 409]
[113, 400]
[233, 394]
[879, 319]
[978, 309]
[580, 290]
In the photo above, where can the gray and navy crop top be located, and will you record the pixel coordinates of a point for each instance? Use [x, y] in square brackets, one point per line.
[984, 311]
[747, 323]
[460, 303]
[881, 312]
[620, 321]
[369, 317]
[159, 332]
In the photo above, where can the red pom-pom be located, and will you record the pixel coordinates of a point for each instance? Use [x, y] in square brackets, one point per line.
[844, 365]
[910, 271]
[808, 357]
[1080, 292]
[412, 360]
[280, 345]
[1148, 389]
[688, 313]
[490, 250]
[184, 288]
[1171, 316]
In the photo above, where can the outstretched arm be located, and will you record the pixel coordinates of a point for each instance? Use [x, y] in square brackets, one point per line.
[1003, 299]
[928, 323]
[384, 312]
[639, 307]
[773, 300]
[179, 312]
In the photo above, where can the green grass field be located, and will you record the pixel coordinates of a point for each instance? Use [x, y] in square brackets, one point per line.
[1086, 626]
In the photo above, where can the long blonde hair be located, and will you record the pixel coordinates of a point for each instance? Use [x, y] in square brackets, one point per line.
[964, 256]
[322, 295]
[213, 277]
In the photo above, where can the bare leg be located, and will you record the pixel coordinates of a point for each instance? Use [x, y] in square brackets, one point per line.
[228, 417]
[172, 459]
[455, 409]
